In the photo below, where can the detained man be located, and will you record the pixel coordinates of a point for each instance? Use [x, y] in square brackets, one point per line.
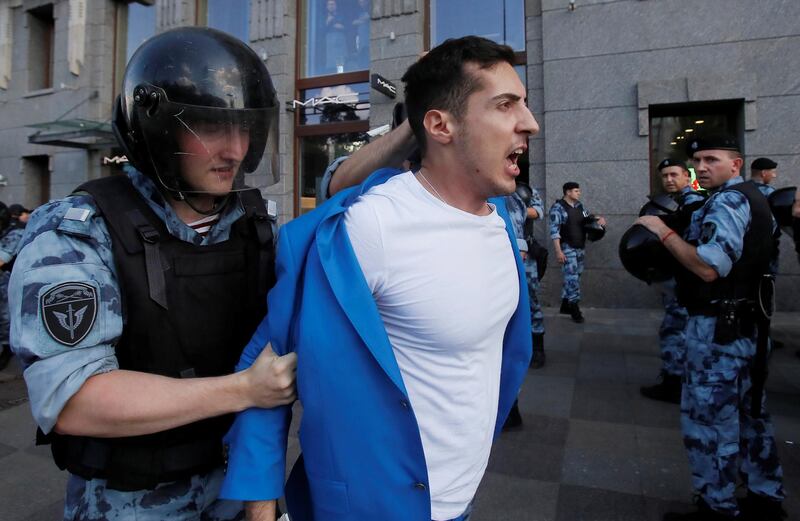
[426, 332]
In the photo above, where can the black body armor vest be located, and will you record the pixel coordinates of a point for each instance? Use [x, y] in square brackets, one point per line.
[742, 281]
[572, 232]
[188, 311]
[680, 220]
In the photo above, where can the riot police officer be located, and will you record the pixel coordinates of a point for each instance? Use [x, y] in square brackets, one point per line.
[10, 236]
[763, 171]
[133, 297]
[567, 219]
[724, 256]
[677, 183]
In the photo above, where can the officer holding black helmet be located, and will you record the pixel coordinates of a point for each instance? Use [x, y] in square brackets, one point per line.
[132, 298]
[677, 183]
[724, 284]
[570, 224]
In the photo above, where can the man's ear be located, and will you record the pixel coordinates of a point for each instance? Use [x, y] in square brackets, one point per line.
[738, 162]
[439, 126]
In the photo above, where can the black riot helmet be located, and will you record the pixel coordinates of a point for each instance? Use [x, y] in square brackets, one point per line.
[780, 202]
[594, 230]
[187, 90]
[644, 257]
[5, 217]
[659, 205]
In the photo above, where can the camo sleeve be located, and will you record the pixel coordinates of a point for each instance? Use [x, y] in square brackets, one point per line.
[9, 245]
[64, 303]
[721, 231]
[558, 216]
[536, 203]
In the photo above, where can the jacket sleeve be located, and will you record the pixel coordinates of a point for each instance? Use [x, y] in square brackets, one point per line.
[257, 440]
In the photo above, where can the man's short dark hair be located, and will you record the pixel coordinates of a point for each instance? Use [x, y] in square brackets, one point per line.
[438, 80]
[570, 185]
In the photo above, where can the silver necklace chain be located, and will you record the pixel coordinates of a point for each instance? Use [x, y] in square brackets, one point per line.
[435, 191]
[438, 195]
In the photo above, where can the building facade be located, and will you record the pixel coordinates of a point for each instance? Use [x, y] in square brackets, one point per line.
[616, 85]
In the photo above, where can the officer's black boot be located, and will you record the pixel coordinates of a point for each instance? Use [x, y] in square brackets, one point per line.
[667, 390]
[539, 358]
[565, 309]
[5, 356]
[703, 513]
[514, 420]
[575, 312]
[759, 508]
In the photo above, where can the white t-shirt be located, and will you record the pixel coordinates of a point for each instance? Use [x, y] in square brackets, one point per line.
[446, 284]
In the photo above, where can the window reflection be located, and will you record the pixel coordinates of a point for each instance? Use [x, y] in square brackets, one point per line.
[502, 22]
[141, 26]
[336, 36]
[316, 153]
[231, 16]
[335, 104]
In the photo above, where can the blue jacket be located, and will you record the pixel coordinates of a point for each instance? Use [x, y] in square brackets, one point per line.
[362, 453]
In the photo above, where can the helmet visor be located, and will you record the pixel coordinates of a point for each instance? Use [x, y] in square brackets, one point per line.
[210, 150]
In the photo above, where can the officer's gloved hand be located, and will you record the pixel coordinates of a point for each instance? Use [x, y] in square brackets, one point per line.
[270, 381]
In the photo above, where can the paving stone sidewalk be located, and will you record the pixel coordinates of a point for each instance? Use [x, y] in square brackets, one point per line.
[591, 448]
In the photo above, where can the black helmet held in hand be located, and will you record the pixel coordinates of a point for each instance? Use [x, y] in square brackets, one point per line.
[644, 257]
[594, 230]
[184, 91]
[659, 205]
[780, 202]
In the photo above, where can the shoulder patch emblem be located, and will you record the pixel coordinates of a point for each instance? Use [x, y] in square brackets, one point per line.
[69, 311]
[707, 232]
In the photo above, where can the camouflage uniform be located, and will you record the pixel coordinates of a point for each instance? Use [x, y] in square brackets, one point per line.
[718, 428]
[767, 190]
[517, 209]
[9, 247]
[67, 241]
[671, 334]
[573, 267]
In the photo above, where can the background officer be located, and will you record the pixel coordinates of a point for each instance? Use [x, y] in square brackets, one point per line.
[725, 254]
[677, 182]
[132, 298]
[567, 217]
[9, 245]
[762, 172]
[525, 206]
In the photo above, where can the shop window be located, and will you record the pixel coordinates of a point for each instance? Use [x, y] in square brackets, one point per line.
[316, 153]
[333, 104]
[141, 25]
[502, 22]
[672, 125]
[230, 16]
[41, 47]
[36, 171]
[335, 36]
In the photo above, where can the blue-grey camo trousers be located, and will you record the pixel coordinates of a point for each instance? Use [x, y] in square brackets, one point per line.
[721, 436]
[4, 318]
[537, 316]
[672, 333]
[571, 270]
[191, 499]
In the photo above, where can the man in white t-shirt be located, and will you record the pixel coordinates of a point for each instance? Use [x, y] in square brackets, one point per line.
[446, 319]
[437, 257]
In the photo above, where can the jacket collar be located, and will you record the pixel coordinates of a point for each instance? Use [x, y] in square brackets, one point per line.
[350, 288]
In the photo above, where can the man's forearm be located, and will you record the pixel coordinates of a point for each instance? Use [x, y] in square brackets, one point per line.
[687, 255]
[130, 403]
[260, 510]
[388, 151]
[557, 244]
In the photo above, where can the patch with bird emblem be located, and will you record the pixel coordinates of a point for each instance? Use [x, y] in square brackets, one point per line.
[69, 311]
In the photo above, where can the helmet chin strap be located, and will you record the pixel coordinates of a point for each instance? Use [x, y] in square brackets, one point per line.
[183, 193]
